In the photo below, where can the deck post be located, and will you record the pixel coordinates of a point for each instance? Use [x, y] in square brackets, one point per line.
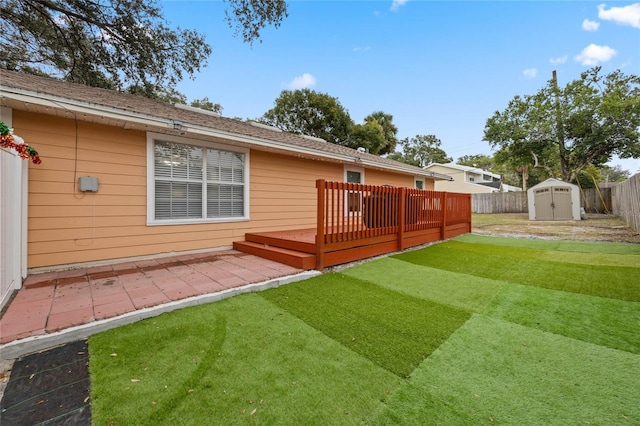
[401, 218]
[444, 215]
[320, 185]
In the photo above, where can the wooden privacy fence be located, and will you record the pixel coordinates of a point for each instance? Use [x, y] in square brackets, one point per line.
[593, 200]
[357, 221]
[500, 202]
[625, 198]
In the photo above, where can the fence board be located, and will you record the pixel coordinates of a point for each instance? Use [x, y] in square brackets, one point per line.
[516, 202]
[500, 202]
[595, 200]
[625, 198]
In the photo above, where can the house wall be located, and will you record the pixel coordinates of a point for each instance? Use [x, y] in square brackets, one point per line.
[458, 184]
[66, 226]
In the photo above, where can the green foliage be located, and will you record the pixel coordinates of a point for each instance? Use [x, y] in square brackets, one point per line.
[421, 151]
[586, 122]
[206, 104]
[249, 17]
[106, 43]
[369, 136]
[308, 112]
[614, 174]
[116, 44]
[481, 161]
[389, 130]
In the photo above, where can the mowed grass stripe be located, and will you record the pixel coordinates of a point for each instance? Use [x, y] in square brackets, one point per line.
[605, 281]
[607, 322]
[394, 330]
[601, 259]
[493, 371]
[428, 283]
[238, 361]
[554, 245]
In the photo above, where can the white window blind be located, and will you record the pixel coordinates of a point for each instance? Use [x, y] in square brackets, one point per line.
[193, 182]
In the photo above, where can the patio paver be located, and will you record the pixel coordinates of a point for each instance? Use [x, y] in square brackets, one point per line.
[55, 301]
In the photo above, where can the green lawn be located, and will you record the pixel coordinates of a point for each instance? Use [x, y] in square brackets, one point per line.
[477, 330]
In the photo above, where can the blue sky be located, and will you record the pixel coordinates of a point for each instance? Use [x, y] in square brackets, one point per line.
[439, 67]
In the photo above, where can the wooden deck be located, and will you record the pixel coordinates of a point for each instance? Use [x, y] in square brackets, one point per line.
[359, 221]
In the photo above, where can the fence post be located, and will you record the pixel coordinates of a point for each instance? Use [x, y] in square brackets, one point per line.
[444, 215]
[320, 185]
[401, 219]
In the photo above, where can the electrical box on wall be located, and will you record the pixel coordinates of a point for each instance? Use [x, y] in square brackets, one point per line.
[88, 183]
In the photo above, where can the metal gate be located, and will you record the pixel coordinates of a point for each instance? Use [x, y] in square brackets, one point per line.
[553, 203]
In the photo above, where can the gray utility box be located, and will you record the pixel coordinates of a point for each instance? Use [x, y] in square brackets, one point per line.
[88, 183]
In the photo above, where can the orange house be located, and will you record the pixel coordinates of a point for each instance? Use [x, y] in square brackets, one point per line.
[124, 176]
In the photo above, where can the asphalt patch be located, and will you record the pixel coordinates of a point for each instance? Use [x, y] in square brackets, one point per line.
[49, 388]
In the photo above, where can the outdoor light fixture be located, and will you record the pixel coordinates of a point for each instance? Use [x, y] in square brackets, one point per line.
[177, 124]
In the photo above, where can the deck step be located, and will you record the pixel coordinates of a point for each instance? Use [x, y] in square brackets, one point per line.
[297, 259]
[295, 241]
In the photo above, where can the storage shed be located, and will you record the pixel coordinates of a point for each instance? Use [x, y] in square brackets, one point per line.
[554, 199]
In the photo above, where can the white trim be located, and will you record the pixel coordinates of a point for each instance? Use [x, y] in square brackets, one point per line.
[151, 221]
[417, 179]
[350, 168]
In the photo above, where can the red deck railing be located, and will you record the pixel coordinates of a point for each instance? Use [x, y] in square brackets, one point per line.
[357, 221]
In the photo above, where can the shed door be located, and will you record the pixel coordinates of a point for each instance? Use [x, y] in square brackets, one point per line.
[553, 203]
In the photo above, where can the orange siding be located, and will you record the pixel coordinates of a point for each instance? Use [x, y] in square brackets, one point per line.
[66, 226]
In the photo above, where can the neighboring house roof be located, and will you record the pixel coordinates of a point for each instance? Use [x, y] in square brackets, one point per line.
[455, 166]
[55, 97]
[496, 184]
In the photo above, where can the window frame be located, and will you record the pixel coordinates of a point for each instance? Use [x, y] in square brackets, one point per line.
[421, 180]
[151, 180]
[353, 205]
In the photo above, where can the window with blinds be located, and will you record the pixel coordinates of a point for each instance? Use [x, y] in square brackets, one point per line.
[193, 182]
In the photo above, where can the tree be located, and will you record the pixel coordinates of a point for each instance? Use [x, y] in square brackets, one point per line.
[421, 151]
[369, 136]
[311, 113]
[587, 122]
[389, 130]
[206, 104]
[249, 16]
[481, 161]
[115, 44]
[614, 174]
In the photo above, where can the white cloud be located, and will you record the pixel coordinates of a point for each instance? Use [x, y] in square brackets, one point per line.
[594, 54]
[362, 49]
[530, 72]
[559, 60]
[302, 82]
[395, 4]
[625, 15]
[588, 25]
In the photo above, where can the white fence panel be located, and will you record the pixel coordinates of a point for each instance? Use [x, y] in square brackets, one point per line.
[11, 205]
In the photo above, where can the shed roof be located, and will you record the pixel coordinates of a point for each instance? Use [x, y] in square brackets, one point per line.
[552, 182]
[55, 97]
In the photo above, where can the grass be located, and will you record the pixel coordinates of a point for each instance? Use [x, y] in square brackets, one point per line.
[394, 330]
[220, 362]
[521, 266]
[448, 334]
[493, 371]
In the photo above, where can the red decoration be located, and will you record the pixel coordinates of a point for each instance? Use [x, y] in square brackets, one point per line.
[24, 151]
